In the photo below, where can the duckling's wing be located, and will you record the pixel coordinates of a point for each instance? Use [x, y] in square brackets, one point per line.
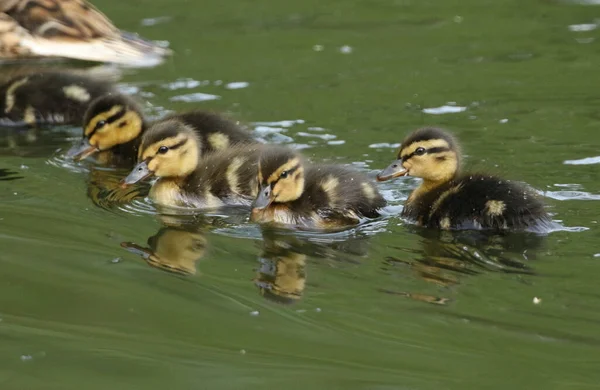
[482, 201]
[70, 28]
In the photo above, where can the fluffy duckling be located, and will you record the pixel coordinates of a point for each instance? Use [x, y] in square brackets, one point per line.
[114, 124]
[173, 153]
[447, 199]
[295, 192]
[71, 29]
[49, 98]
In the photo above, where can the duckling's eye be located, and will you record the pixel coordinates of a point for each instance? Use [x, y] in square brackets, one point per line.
[284, 174]
[100, 124]
[420, 151]
[163, 150]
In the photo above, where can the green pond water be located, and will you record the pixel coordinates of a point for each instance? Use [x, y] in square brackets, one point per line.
[382, 306]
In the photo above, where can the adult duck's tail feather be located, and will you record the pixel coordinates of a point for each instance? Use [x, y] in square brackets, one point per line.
[123, 50]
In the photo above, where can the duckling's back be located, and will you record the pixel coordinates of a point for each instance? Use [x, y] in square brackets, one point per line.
[48, 98]
[335, 190]
[225, 178]
[478, 202]
[216, 132]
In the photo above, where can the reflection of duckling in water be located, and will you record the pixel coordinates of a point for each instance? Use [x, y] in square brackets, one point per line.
[449, 200]
[50, 98]
[448, 256]
[295, 192]
[188, 179]
[71, 29]
[173, 249]
[114, 126]
[282, 274]
[105, 190]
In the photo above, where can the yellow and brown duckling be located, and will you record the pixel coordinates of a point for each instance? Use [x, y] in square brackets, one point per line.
[447, 199]
[70, 29]
[173, 152]
[114, 125]
[298, 193]
[49, 98]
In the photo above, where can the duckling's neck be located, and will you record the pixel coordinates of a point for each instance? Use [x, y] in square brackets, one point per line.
[426, 187]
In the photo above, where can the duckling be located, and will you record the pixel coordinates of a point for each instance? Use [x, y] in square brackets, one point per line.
[114, 124]
[447, 199]
[172, 151]
[71, 29]
[49, 98]
[295, 192]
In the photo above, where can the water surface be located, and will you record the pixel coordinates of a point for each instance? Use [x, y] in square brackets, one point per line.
[383, 306]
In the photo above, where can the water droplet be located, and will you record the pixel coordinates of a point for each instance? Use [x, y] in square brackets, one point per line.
[346, 49]
[237, 85]
[318, 309]
[254, 313]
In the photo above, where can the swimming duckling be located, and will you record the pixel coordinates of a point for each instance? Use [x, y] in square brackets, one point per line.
[172, 152]
[49, 98]
[114, 124]
[72, 29]
[295, 192]
[447, 199]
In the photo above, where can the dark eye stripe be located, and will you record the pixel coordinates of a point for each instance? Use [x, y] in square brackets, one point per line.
[177, 145]
[115, 117]
[290, 171]
[437, 149]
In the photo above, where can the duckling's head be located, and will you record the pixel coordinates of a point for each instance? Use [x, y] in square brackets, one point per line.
[280, 177]
[168, 149]
[429, 153]
[110, 120]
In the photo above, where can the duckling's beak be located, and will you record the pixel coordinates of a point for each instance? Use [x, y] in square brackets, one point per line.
[263, 200]
[394, 170]
[140, 172]
[82, 150]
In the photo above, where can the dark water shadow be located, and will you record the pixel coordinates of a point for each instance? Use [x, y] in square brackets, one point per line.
[8, 175]
[446, 257]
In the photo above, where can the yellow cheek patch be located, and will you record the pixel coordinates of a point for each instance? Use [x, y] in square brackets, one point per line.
[432, 143]
[101, 117]
[285, 167]
[10, 93]
[218, 141]
[75, 92]
[153, 165]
